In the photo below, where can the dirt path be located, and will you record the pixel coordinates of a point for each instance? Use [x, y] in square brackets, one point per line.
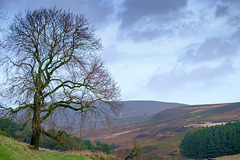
[120, 133]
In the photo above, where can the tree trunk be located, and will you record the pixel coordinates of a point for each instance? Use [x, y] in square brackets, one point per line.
[35, 137]
[36, 127]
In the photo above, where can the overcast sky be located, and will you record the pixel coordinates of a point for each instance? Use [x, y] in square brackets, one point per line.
[183, 51]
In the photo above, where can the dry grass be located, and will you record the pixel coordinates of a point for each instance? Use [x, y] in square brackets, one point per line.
[85, 153]
[120, 133]
[206, 124]
[206, 107]
[232, 157]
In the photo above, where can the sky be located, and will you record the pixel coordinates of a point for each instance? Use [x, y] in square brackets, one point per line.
[184, 51]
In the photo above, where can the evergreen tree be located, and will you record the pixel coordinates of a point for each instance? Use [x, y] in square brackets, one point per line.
[211, 149]
[212, 142]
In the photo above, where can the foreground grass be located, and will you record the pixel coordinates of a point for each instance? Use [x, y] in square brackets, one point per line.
[56, 156]
[11, 150]
[85, 155]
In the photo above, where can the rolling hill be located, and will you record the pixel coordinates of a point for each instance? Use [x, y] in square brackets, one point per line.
[159, 127]
[139, 111]
[131, 112]
[161, 135]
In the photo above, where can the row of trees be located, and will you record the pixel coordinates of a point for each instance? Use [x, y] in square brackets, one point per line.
[13, 129]
[212, 141]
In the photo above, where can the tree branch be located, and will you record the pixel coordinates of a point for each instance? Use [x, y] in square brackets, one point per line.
[57, 137]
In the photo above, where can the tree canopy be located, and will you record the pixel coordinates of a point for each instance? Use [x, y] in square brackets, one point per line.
[212, 141]
[50, 62]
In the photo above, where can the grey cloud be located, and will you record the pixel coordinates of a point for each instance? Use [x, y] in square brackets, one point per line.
[203, 77]
[221, 11]
[212, 49]
[139, 35]
[149, 19]
[98, 11]
[136, 10]
[236, 35]
[229, 9]
[234, 20]
[146, 20]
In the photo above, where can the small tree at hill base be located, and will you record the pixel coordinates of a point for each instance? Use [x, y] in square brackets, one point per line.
[50, 62]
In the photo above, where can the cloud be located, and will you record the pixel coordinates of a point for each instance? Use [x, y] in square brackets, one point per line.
[111, 55]
[195, 43]
[98, 11]
[230, 10]
[135, 10]
[221, 11]
[211, 49]
[236, 35]
[182, 80]
[147, 19]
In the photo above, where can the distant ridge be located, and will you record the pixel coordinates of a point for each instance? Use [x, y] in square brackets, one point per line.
[135, 111]
[199, 113]
[140, 107]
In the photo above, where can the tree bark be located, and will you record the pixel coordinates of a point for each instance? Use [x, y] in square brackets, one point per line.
[35, 138]
[36, 130]
[36, 125]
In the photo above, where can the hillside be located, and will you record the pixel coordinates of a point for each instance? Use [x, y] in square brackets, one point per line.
[131, 112]
[199, 114]
[162, 134]
[139, 111]
[11, 149]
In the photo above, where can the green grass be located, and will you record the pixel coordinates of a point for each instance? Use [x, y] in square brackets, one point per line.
[56, 156]
[13, 150]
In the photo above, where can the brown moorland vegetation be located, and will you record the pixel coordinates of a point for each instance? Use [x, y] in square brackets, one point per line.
[161, 135]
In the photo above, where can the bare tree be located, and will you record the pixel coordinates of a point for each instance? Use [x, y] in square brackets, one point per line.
[136, 152]
[50, 63]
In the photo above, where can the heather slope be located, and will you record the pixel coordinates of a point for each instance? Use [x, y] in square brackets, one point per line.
[162, 133]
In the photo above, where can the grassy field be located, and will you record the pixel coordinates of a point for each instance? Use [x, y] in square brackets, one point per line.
[11, 149]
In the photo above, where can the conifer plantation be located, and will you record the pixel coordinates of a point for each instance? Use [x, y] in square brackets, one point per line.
[212, 141]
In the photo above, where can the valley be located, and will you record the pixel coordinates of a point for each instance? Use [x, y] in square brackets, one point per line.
[158, 127]
[162, 133]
